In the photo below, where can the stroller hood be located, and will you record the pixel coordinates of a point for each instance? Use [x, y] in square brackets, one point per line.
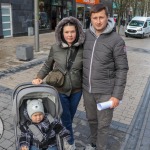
[26, 91]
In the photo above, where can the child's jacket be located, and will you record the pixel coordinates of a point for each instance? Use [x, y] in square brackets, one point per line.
[49, 131]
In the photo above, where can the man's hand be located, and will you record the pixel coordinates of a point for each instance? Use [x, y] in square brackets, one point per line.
[24, 148]
[37, 81]
[115, 102]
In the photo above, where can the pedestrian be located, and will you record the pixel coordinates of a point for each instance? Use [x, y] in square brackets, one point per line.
[105, 69]
[69, 39]
[87, 20]
[37, 118]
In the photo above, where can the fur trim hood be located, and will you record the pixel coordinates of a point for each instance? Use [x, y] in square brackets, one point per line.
[58, 33]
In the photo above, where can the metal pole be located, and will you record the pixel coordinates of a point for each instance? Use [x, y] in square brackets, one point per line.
[74, 8]
[36, 25]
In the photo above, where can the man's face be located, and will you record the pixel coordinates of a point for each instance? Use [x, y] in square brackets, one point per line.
[99, 21]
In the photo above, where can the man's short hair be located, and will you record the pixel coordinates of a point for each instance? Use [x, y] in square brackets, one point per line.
[99, 7]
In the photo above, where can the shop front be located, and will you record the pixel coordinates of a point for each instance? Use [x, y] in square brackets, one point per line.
[83, 9]
[55, 10]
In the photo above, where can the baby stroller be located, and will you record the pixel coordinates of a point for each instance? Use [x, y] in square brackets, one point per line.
[51, 103]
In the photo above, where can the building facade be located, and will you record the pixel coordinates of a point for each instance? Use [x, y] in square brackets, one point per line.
[56, 10]
[15, 17]
[83, 9]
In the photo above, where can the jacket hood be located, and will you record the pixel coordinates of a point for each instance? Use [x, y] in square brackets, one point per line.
[108, 29]
[81, 34]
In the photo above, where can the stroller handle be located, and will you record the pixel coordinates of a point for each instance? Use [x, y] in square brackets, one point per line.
[26, 84]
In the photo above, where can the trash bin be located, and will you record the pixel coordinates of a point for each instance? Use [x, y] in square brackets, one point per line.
[30, 31]
[24, 52]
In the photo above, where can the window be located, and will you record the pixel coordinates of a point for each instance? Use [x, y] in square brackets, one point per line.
[136, 23]
[6, 20]
[145, 25]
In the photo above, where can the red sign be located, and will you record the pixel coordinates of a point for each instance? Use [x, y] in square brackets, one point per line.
[88, 1]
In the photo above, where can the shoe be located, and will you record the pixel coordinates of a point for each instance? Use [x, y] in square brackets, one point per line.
[67, 146]
[89, 147]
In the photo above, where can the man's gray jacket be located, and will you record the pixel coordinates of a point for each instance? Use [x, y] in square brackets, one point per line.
[105, 62]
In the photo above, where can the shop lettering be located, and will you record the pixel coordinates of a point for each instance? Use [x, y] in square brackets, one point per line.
[89, 1]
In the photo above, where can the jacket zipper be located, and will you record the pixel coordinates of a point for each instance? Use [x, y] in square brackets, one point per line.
[91, 65]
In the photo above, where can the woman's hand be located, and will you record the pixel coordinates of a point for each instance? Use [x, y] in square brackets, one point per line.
[37, 81]
[24, 148]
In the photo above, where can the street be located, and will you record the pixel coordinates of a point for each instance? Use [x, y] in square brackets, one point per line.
[130, 127]
[138, 42]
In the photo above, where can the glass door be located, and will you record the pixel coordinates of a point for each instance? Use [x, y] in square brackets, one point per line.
[56, 16]
[81, 14]
[6, 20]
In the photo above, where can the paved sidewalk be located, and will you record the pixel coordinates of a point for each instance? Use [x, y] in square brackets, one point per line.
[14, 72]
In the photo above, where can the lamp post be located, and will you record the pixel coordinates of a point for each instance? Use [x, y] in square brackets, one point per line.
[36, 25]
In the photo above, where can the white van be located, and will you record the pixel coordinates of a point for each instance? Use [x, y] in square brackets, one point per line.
[138, 27]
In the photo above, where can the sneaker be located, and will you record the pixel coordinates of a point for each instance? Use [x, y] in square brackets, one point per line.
[89, 147]
[67, 146]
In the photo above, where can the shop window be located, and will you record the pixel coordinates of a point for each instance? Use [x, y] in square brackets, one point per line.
[56, 2]
[80, 13]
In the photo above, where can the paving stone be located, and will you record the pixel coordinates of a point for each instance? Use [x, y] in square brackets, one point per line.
[145, 144]
[147, 133]
[124, 114]
[6, 144]
[12, 147]
[148, 125]
[7, 135]
[2, 139]
[1, 148]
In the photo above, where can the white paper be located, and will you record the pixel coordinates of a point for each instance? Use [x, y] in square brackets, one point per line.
[104, 105]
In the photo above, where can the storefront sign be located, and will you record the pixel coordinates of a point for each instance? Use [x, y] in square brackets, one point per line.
[88, 1]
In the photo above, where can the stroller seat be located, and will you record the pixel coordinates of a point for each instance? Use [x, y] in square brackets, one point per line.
[26, 91]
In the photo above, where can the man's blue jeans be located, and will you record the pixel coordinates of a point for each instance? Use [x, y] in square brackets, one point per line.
[49, 148]
[69, 105]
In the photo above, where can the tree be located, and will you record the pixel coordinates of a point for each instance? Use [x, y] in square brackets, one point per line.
[129, 8]
[121, 9]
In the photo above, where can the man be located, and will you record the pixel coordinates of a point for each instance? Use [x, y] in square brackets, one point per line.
[105, 69]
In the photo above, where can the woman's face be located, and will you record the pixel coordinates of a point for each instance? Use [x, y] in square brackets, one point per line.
[69, 33]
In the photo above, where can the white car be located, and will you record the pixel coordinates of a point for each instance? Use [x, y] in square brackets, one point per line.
[138, 27]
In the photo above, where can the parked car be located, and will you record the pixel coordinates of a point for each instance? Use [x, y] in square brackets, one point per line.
[138, 27]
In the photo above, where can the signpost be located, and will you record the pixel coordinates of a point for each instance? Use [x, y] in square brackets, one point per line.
[36, 25]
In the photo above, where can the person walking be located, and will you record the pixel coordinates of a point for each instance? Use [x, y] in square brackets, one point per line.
[105, 68]
[69, 38]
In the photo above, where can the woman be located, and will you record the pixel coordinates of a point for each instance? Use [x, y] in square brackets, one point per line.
[69, 38]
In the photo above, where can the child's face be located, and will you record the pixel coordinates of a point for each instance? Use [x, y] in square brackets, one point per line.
[37, 117]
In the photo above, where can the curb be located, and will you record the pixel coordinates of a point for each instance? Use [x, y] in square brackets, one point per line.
[135, 131]
[22, 67]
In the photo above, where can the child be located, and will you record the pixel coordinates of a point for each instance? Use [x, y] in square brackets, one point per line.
[36, 117]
